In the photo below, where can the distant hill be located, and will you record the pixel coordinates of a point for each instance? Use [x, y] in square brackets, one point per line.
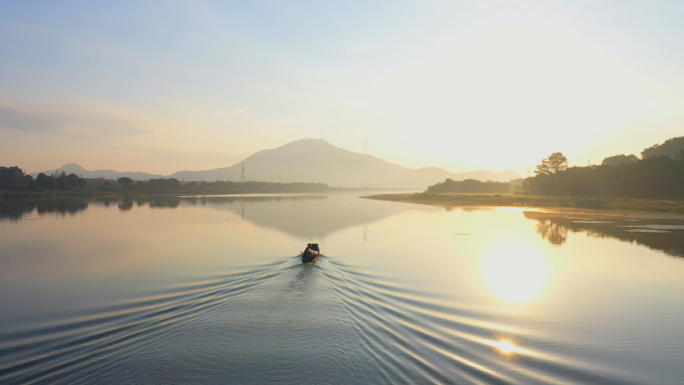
[309, 161]
[315, 160]
[670, 147]
[107, 174]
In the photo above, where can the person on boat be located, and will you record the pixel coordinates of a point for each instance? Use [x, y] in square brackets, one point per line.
[308, 247]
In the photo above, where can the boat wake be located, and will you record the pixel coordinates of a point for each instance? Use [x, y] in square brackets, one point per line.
[257, 323]
[69, 350]
[414, 337]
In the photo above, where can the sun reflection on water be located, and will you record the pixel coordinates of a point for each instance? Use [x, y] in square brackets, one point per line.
[506, 347]
[515, 274]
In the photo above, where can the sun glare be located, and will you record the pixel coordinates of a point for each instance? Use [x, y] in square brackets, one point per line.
[515, 274]
[506, 347]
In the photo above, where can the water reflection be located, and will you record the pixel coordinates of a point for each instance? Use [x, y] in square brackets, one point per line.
[551, 231]
[14, 210]
[305, 216]
[180, 290]
[667, 237]
[515, 274]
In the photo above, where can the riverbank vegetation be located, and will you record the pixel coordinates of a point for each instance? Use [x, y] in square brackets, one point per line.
[623, 204]
[474, 186]
[622, 182]
[14, 183]
[652, 177]
[14, 179]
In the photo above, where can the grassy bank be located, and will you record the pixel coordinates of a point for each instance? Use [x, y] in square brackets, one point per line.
[621, 204]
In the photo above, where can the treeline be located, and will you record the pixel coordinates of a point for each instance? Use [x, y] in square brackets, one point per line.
[659, 174]
[657, 177]
[14, 179]
[471, 186]
[173, 185]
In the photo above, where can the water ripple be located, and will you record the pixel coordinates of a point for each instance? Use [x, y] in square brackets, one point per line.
[417, 338]
[36, 352]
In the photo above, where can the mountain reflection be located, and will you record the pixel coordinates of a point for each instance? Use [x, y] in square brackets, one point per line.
[554, 228]
[306, 216]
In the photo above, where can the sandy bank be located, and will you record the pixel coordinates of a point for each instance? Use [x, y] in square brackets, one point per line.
[595, 206]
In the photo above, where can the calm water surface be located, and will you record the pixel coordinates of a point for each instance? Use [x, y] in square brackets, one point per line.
[211, 290]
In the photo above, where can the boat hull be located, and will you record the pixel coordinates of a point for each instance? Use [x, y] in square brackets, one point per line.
[310, 257]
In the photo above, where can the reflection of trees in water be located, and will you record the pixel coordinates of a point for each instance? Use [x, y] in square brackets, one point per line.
[17, 209]
[126, 203]
[555, 230]
[310, 217]
[555, 233]
[164, 201]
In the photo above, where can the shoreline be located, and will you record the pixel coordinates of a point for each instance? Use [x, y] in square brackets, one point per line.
[6, 195]
[606, 206]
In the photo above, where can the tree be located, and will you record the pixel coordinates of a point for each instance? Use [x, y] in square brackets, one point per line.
[30, 183]
[126, 182]
[554, 164]
[680, 156]
[73, 181]
[543, 168]
[619, 159]
[46, 182]
[558, 162]
[62, 182]
[11, 178]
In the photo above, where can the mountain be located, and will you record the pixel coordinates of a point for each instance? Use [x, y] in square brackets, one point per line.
[107, 174]
[315, 160]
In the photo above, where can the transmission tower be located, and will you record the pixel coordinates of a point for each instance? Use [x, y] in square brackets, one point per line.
[242, 178]
[588, 161]
[365, 146]
[322, 135]
[528, 171]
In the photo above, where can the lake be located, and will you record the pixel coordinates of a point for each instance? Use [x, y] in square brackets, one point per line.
[211, 290]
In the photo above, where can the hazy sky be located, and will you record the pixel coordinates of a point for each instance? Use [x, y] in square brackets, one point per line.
[164, 86]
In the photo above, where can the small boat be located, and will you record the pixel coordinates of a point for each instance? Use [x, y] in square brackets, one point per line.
[311, 253]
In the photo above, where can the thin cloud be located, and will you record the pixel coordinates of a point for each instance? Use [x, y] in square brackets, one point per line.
[239, 111]
[80, 121]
